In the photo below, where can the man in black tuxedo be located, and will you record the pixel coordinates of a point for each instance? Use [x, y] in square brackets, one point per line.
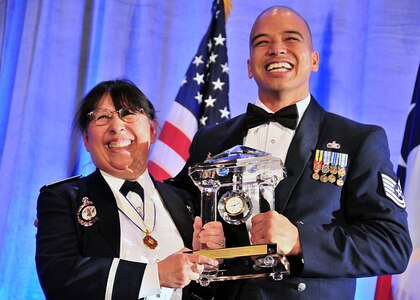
[339, 214]
[118, 233]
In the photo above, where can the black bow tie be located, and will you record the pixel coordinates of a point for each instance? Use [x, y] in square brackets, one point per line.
[132, 186]
[256, 116]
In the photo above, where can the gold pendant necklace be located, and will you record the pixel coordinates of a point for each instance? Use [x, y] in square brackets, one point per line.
[149, 241]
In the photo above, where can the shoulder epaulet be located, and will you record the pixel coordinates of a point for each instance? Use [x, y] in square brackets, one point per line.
[62, 181]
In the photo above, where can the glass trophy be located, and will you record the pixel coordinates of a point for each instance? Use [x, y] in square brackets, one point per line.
[234, 184]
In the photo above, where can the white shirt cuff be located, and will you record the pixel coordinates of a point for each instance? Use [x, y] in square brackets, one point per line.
[150, 284]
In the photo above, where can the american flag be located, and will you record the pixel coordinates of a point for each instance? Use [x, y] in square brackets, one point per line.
[201, 100]
[405, 286]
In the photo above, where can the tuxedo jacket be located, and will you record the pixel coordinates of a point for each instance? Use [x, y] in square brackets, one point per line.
[74, 261]
[347, 231]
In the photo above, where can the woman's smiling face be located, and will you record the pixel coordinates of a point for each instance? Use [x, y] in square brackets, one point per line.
[120, 148]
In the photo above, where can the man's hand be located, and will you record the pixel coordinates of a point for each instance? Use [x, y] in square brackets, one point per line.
[178, 269]
[209, 236]
[272, 227]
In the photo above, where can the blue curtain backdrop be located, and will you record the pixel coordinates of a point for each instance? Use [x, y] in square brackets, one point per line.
[52, 52]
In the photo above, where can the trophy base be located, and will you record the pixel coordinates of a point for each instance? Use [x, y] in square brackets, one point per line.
[273, 267]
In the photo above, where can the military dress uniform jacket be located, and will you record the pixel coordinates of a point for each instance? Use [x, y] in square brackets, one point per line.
[347, 231]
[74, 261]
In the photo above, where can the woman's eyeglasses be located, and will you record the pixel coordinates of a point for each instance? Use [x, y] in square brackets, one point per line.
[103, 116]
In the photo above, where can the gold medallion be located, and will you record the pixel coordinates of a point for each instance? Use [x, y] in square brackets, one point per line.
[323, 178]
[332, 178]
[137, 215]
[341, 172]
[317, 166]
[315, 176]
[340, 182]
[149, 241]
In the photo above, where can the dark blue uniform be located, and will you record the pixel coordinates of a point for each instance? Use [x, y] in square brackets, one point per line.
[346, 231]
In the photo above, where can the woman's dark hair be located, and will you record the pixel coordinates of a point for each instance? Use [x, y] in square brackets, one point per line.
[124, 94]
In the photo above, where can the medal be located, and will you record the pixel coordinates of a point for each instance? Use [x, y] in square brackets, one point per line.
[317, 164]
[342, 164]
[326, 166]
[149, 241]
[138, 215]
[333, 169]
[330, 166]
[331, 178]
[323, 178]
[87, 215]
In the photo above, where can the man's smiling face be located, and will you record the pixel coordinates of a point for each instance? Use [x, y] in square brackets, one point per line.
[281, 56]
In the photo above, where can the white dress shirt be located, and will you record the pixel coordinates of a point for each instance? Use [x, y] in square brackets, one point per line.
[161, 227]
[273, 137]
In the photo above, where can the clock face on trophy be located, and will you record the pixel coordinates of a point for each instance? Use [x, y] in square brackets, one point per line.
[235, 207]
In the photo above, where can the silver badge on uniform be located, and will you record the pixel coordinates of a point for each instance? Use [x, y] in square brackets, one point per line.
[86, 214]
[393, 190]
[333, 145]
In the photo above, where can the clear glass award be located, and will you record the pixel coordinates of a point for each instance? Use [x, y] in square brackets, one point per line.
[235, 184]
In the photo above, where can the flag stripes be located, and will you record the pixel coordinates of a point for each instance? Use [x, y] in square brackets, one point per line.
[166, 154]
[173, 137]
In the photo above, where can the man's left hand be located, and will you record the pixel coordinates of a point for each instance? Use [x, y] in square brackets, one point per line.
[272, 227]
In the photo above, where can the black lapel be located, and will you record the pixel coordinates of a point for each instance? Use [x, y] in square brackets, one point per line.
[102, 196]
[300, 151]
[178, 211]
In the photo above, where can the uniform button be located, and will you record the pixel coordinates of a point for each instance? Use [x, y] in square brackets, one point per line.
[158, 295]
[273, 141]
[301, 287]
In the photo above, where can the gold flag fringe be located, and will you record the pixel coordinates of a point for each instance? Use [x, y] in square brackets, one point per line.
[228, 6]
